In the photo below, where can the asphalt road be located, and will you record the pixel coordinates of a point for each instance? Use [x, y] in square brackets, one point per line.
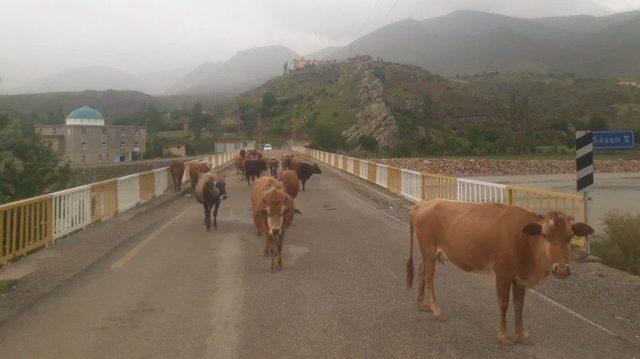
[181, 291]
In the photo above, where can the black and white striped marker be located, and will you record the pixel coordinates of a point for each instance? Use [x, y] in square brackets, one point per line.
[584, 160]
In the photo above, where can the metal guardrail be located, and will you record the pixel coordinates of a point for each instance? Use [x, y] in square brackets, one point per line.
[35, 222]
[418, 186]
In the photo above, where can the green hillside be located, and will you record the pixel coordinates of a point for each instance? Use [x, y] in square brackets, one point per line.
[479, 114]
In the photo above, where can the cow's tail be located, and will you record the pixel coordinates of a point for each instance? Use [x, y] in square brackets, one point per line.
[409, 269]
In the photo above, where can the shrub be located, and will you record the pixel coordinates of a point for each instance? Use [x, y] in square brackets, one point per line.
[368, 143]
[621, 249]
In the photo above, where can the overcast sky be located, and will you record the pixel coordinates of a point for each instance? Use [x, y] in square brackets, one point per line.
[40, 37]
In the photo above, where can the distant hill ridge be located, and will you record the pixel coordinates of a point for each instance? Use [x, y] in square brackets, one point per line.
[466, 42]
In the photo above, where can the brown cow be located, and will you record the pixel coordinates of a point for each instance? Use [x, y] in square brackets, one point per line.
[520, 247]
[286, 160]
[194, 171]
[177, 172]
[294, 164]
[291, 182]
[273, 211]
[239, 162]
[209, 190]
[273, 166]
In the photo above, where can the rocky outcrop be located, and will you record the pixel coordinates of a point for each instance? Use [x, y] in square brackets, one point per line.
[375, 119]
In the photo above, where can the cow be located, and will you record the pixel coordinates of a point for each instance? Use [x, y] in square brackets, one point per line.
[305, 170]
[286, 159]
[294, 164]
[210, 189]
[291, 182]
[273, 166]
[273, 210]
[177, 172]
[242, 152]
[253, 168]
[520, 247]
[239, 163]
[254, 154]
[195, 169]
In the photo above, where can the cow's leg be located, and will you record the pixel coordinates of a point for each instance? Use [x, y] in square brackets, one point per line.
[280, 240]
[518, 303]
[421, 304]
[215, 213]
[429, 263]
[303, 182]
[207, 215]
[273, 250]
[503, 286]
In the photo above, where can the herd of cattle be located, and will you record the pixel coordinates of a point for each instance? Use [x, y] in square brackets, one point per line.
[518, 246]
[271, 196]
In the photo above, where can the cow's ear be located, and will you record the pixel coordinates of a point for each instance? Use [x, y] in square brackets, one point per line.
[532, 229]
[581, 229]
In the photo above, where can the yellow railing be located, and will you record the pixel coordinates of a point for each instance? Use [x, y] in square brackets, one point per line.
[25, 225]
[438, 186]
[31, 223]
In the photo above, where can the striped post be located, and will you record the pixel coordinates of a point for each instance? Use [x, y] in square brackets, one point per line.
[584, 171]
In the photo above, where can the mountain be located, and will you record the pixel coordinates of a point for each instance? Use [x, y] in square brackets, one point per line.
[404, 108]
[466, 42]
[101, 78]
[324, 53]
[53, 107]
[84, 78]
[245, 70]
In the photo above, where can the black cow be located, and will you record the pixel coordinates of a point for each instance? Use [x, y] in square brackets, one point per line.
[273, 166]
[209, 191]
[253, 168]
[306, 170]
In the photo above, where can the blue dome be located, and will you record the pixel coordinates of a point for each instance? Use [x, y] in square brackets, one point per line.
[85, 112]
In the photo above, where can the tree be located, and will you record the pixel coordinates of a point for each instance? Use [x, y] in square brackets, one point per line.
[197, 120]
[598, 123]
[269, 100]
[28, 166]
[326, 137]
[285, 68]
[368, 143]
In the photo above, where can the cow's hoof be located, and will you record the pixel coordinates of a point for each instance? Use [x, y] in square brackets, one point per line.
[424, 307]
[504, 339]
[525, 339]
[440, 317]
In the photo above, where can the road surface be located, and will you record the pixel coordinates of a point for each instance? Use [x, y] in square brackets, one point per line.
[181, 291]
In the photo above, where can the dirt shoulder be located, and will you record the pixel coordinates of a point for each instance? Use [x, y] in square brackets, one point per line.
[497, 167]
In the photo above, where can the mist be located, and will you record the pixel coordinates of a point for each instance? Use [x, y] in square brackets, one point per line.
[39, 38]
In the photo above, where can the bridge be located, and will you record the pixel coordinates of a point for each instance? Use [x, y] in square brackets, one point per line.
[152, 282]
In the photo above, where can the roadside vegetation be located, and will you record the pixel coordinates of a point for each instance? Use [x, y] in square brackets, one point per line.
[621, 248]
[28, 166]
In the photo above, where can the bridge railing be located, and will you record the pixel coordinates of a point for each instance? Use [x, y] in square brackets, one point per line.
[32, 223]
[417, 186]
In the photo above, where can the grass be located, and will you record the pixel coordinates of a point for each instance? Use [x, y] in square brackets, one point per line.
[5, 285]
[621, 249]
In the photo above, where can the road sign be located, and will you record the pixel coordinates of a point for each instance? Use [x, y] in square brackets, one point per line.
[613, 139]
[584, 160]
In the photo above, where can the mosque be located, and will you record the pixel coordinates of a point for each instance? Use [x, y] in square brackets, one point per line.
[86, 139]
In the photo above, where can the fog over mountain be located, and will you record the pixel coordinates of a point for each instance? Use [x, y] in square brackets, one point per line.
[150, 46]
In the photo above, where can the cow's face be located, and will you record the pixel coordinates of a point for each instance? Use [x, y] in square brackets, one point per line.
[277, 202]
[556, 231]
[315, 169]
[221, 187]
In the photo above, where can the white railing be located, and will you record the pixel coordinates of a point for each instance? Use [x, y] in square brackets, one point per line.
[128, 192]
[161, 177]
[71, 210]
[349, 164]
[469, 190]
[411, 185]
[382, 175]
[364, 169]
